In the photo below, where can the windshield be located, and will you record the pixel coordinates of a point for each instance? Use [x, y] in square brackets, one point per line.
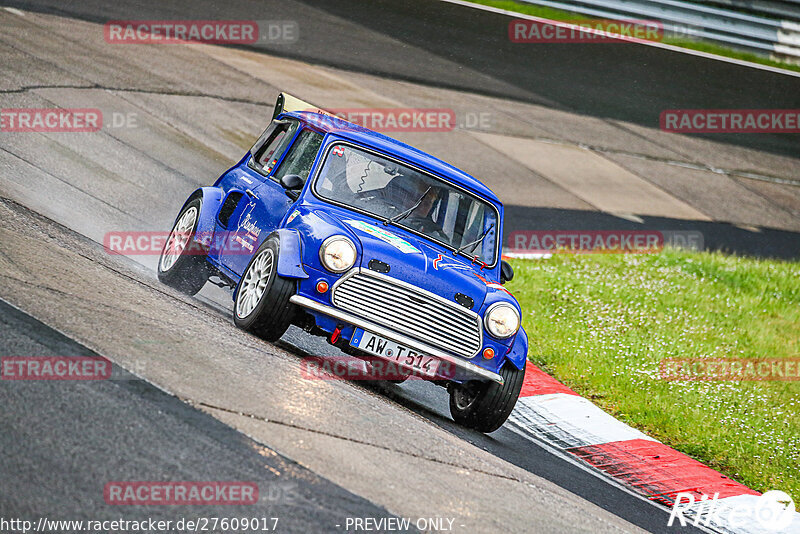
[386, 189]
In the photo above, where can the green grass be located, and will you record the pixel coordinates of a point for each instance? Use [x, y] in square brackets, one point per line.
[701, 46]
[602, 323]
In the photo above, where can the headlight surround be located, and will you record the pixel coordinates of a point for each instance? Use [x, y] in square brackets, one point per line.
[501, 320]
[337, 254]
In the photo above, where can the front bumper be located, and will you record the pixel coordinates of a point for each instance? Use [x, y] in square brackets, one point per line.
[354, 320]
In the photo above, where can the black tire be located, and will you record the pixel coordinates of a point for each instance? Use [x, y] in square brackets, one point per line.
[190, 270]
[272, 313]
[485, 406]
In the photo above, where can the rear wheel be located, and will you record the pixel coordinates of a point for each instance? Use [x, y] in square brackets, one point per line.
[262, 301]
[183, 264]
[485, 406]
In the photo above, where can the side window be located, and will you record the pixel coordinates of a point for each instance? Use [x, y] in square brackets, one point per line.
[273, 142]
[301, 156]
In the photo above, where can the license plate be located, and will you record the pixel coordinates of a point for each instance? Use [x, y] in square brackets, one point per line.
[386, 348]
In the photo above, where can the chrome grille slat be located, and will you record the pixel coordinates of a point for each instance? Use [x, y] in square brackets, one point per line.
[380, 292]
[402, 315]
[413, 331]
[408, 309]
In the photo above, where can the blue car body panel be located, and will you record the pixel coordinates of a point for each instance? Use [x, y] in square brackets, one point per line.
[247, 207]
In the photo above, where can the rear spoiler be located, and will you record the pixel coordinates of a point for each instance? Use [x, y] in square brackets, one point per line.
[287, 103]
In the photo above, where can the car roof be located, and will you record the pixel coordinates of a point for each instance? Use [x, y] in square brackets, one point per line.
[383, 143]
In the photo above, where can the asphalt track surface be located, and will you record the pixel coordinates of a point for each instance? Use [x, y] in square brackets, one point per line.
[126, 429]
[399, 39]
[344, 35]
[62, 442]
[444, 45]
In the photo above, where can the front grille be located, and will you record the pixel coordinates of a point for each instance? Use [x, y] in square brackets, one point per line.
[410, 310]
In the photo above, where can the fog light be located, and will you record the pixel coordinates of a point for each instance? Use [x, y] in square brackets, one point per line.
[488, 353]
[322, 286]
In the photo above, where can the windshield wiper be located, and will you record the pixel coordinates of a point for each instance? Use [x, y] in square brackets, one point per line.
[474, 243]
[409, 211]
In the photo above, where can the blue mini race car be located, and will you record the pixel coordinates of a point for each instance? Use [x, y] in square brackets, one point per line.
[390, 253]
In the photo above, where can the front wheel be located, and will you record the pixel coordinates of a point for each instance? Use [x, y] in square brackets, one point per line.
[262, 301]
[485, 406]
[182, 264]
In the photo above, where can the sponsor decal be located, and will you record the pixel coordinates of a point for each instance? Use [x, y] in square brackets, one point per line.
[246, 221]
[396, 241]
[246, 245]
[292, 216]
[247, 231]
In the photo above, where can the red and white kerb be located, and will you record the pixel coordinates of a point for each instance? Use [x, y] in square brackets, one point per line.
[551, 412]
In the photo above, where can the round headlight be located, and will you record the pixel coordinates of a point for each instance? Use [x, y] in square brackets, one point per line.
[502, 320]
[337, 253]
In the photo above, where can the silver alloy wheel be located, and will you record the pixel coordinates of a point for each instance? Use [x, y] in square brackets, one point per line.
[178, 239]
[254, 283]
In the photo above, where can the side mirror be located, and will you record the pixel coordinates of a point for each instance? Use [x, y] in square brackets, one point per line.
[506, 272]
[293, 184]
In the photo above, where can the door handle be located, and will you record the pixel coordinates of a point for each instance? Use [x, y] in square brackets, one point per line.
[250, 193]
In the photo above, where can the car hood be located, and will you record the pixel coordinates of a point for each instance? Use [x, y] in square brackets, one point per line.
[419, 262]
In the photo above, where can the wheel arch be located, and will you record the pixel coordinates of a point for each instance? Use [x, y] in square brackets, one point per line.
[290, 257]
[519, 351]
[211, 200]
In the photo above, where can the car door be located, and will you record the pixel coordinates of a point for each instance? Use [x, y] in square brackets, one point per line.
[261, 207]
[264, 207]
[301, 156]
